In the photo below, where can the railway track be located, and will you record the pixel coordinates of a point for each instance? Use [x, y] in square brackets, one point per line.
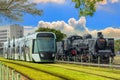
[100, 73]
[35, 70]
[116, 66]
[65, 71]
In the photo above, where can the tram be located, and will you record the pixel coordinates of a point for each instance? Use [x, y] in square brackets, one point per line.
[37, 47]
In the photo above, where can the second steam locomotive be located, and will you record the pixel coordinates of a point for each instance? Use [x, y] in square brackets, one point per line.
[85, 48]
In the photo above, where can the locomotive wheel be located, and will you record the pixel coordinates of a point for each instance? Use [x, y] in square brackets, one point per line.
[94, 59]
[105, 60]
[85, 57]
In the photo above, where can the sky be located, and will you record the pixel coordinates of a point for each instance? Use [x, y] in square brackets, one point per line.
[61, 15]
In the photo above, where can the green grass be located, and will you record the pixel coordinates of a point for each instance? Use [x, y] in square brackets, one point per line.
[111, 70]
[31, 73]
[63, 70]
[91, 70]
[116, 59]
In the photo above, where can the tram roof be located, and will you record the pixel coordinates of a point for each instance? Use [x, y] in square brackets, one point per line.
[29, 37]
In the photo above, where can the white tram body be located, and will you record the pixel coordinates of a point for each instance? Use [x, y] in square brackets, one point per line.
[37, 47]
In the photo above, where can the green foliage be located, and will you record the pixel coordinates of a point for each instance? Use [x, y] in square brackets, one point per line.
[117, 45]
[117, 60]
[86, 7]
[15, 9]
[58, 33]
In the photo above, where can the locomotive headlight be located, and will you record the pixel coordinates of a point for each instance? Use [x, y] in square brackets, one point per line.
[53, 55]
[42, 55]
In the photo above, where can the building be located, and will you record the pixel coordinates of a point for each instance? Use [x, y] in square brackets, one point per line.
[10, 31]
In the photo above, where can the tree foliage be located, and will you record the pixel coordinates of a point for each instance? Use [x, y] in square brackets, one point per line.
[58, 33]
[86, 7]
[117, 45]
[15, 9]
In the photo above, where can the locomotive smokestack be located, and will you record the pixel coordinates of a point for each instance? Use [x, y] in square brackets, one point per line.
[99, 34]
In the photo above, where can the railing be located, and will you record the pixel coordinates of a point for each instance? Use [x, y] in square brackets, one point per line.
[7, 73]
[80, 59]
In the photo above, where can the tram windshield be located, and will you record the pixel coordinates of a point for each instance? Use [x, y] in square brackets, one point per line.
[44, 45]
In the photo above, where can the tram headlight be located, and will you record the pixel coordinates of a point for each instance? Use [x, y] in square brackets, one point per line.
[42, 55]
[53, 55]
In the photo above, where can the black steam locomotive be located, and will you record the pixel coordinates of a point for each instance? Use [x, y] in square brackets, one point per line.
[85, 48]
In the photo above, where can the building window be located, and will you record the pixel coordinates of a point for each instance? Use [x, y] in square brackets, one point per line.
[3, 30]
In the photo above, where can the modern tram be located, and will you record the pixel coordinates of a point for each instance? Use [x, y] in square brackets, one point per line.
[36, 47]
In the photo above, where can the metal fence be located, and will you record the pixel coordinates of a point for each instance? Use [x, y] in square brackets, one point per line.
[80, 59]
[7, 73]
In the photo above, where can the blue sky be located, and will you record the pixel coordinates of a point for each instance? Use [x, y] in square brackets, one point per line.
[65, 17]
[61, 14]
[52, 12]
[105, 16]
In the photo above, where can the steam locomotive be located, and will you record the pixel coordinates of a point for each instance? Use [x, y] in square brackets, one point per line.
[86, 48]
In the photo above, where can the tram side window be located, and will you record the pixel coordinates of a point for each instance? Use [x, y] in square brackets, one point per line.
[27, 46]
[33, 45]
[5, 49]
[22, 49]
[18, 49]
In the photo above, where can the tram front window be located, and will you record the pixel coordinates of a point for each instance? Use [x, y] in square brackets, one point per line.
[44, 45]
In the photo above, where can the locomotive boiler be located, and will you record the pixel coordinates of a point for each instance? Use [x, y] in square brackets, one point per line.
[86, 48]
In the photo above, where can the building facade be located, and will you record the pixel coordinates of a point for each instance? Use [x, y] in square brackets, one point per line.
[11, 31]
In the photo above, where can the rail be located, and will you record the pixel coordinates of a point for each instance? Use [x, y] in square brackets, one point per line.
[89, 63]
[7, 73]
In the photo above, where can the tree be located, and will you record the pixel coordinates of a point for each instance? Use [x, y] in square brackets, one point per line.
[86, 7]
[117, 45]
[15, 9]
[58, 33]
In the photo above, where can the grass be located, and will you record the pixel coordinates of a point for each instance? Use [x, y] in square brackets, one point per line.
[116, 59]
[67, 71]
[97, 71]
[31, 73]
[111, 70]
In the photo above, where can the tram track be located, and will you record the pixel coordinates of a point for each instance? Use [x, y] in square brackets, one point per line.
[33, 68]
[64, 71]
[85, 71]
[95, 68]
[115, 66]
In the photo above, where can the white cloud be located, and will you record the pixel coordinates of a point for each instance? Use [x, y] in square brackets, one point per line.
[47, 1]
[108, 32]
[105, 5]
[104, 2]
[114, 1]
[74, 27]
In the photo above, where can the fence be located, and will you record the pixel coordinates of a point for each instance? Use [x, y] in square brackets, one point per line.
[80, 59]
[7, 73]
